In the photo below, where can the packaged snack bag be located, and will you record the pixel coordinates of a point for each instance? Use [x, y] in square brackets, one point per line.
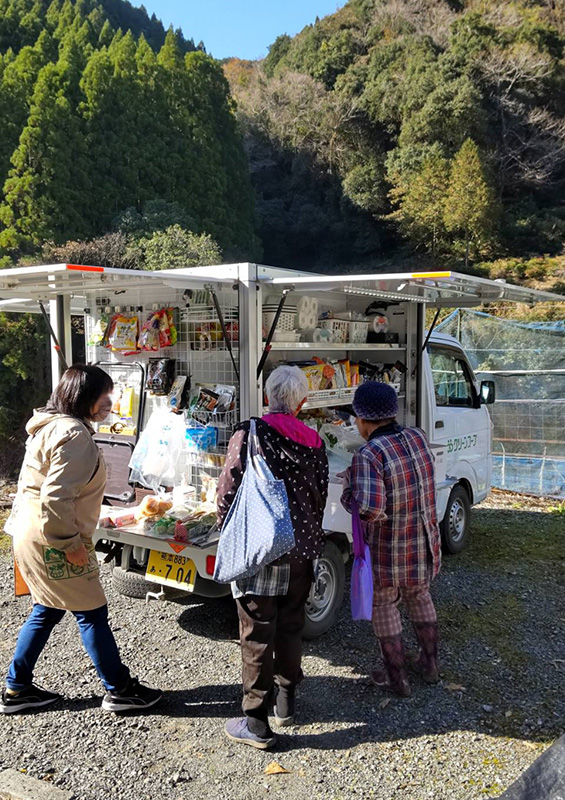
[98, 335]
[172, 334]
[149, 336]
[346, 365]
[124, 330]
[315, 377]
[160, 375]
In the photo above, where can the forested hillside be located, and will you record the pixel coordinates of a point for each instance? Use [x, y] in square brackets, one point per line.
[401, 128]
[101, 113]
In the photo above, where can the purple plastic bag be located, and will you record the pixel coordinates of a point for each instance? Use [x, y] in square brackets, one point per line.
[362, 571]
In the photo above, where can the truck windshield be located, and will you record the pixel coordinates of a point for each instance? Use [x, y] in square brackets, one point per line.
[452, 379]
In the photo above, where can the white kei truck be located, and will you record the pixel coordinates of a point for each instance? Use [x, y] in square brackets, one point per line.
[234, 323]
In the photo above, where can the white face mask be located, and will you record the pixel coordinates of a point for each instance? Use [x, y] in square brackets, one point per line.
[103, 411]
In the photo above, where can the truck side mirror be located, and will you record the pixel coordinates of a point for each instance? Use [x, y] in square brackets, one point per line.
[488, 392]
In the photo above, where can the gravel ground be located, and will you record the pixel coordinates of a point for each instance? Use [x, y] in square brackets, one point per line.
[500, 703]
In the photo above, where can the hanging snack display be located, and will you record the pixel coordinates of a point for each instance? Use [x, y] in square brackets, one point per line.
[123, 332]
[158, 331]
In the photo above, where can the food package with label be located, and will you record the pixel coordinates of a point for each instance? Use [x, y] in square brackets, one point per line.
[160, 375]
[123, 333]
[201, 439]
[123, 520]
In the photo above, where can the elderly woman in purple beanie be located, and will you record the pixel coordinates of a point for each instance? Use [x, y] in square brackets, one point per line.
[392, 481]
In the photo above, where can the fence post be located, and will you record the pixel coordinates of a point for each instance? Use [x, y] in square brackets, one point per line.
[542, 471]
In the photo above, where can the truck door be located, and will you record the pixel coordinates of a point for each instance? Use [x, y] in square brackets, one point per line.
[459, 419]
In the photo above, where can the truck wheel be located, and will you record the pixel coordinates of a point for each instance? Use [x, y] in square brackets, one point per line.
[133, 584]
[455, 524]
[326, 594]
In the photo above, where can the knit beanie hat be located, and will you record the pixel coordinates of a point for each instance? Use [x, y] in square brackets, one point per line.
[374, 400]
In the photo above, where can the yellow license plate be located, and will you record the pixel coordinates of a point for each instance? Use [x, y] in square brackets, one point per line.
[171, 570]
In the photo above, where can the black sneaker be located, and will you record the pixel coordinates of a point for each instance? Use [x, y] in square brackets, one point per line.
[34, 697]
[135, 697]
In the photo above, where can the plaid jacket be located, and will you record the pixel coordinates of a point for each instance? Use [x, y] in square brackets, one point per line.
[392, 479]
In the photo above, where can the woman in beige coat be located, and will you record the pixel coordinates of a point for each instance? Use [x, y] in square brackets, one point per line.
[60, 493]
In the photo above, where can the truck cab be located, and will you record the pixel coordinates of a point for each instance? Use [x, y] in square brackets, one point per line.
[455, 417]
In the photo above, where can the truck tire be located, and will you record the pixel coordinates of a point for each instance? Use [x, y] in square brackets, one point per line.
[133, 584]
[326, 594]
[456, 523]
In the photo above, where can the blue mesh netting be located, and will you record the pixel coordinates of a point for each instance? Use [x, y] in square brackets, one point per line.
[527, 363]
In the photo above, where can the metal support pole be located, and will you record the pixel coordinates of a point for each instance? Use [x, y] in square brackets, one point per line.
[224, 329]
[417, 371]
[271, 333]
[250, 395]
[432, 326]
[59, 365]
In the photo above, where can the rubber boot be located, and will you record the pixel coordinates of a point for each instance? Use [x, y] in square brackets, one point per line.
[393, 678]
[424, 662]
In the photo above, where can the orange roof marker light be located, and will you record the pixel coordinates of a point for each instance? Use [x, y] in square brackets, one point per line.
[81, 268]
[430, 275]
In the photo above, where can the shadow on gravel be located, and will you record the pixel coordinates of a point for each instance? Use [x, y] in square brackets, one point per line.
[500, 606]
[78, 703]
[212, 619]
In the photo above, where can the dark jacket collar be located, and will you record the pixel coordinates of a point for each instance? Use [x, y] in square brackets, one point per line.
[385, 430]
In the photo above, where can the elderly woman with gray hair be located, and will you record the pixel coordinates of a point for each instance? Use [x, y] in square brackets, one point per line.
[271, 603]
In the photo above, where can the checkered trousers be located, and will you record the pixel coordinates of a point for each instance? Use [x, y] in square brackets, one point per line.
[386, 616]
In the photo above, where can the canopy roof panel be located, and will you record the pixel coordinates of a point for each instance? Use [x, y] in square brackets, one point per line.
[441, 288]
[21, 288]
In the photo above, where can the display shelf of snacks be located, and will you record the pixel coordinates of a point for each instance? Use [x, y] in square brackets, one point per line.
[331, 346]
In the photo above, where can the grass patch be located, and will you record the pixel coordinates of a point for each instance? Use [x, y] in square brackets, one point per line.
[495, 624]
[511, 537]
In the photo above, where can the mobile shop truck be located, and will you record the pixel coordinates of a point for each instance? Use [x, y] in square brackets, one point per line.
[217, 332]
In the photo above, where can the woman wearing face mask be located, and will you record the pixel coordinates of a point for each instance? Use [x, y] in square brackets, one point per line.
[60, 493]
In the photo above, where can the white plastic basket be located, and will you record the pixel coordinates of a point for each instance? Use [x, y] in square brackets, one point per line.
[348, 393]
[286, 320]
[358, 332]
[338, 328]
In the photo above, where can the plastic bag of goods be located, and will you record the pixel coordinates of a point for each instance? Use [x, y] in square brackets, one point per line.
[157, 453]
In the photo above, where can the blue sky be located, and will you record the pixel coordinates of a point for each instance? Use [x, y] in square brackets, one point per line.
[242, 28]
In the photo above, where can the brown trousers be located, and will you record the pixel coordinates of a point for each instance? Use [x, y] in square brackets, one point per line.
[271, 641]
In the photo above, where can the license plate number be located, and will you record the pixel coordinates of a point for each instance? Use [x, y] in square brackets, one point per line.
[171, 570]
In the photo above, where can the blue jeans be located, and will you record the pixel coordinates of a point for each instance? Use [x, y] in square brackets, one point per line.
[97, 638]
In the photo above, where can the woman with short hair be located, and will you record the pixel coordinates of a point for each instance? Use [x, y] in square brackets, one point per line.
[271, 603]
[55, 514]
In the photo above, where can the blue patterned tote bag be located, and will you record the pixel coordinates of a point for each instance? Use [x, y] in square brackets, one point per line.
[258, 528]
